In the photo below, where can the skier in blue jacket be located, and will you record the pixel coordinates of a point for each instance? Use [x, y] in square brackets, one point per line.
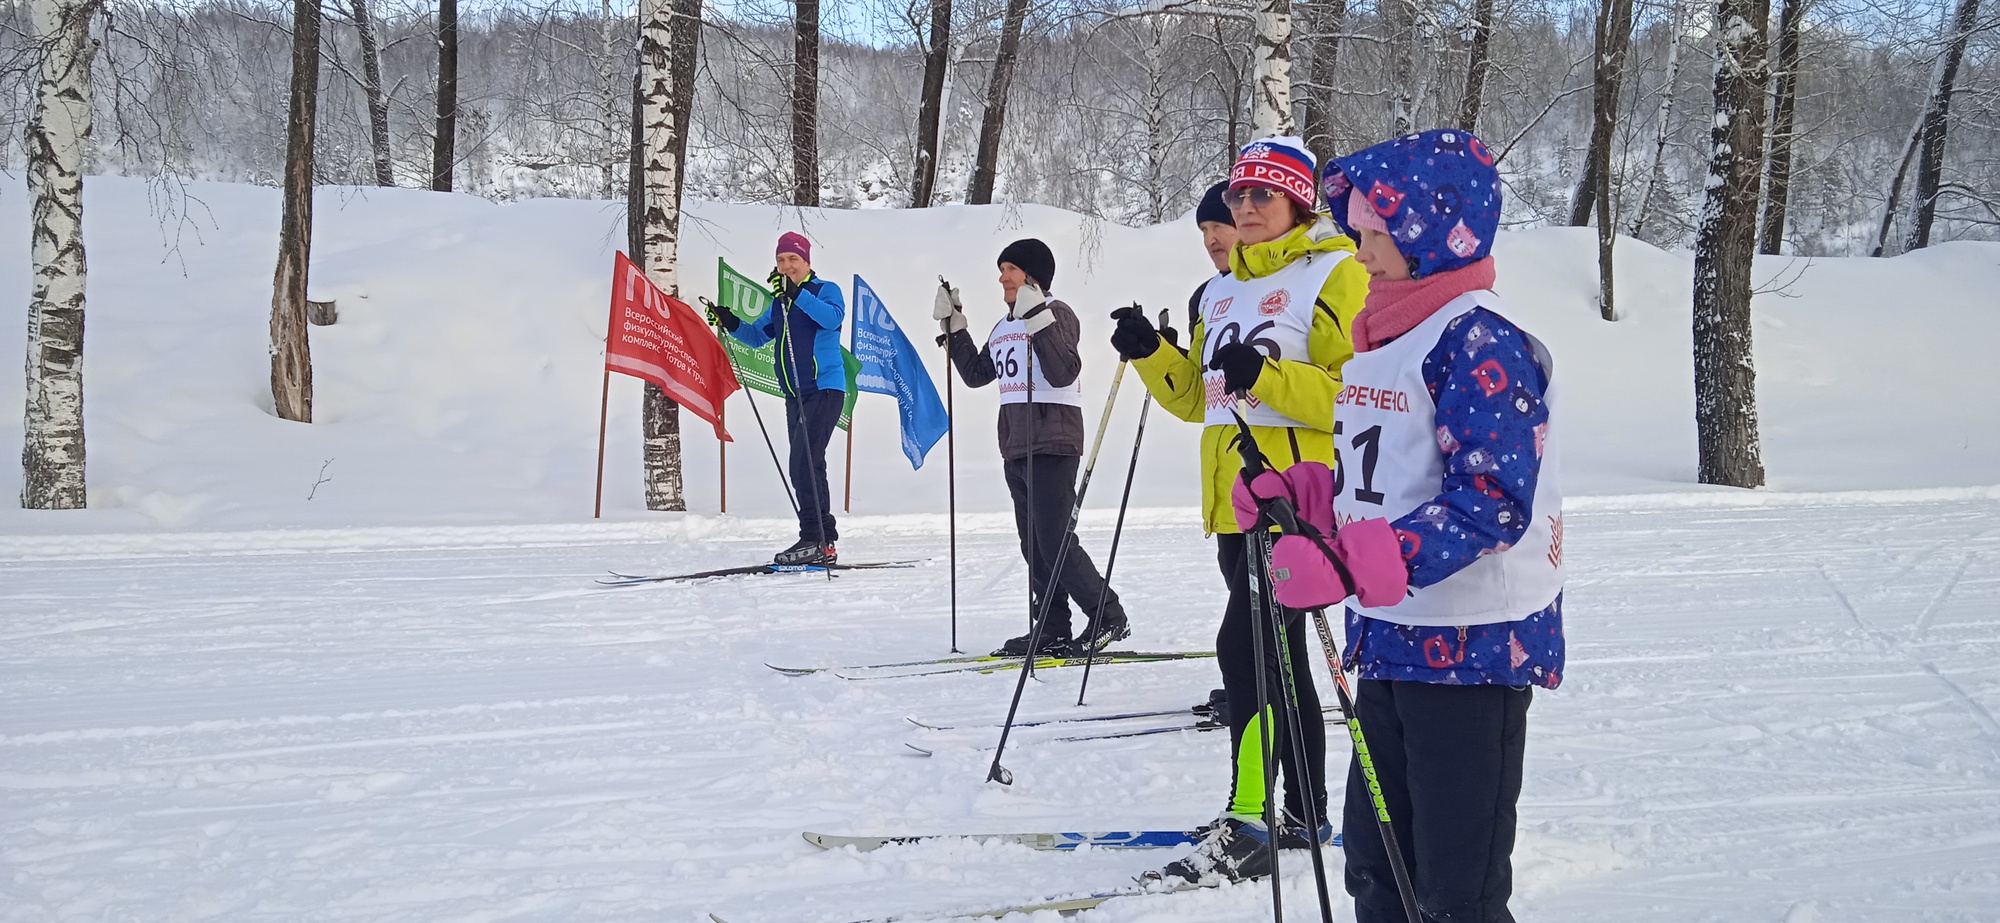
[804, 318]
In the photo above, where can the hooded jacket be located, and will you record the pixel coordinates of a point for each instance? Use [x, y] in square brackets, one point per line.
[1301, 389]
[807, 329]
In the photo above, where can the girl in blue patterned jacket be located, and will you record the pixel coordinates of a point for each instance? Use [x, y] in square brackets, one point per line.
[1449, 509]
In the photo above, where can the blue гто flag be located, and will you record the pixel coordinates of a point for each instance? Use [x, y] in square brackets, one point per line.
[889, 365]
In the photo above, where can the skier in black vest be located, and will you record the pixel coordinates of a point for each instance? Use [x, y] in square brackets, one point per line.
[1032, 354]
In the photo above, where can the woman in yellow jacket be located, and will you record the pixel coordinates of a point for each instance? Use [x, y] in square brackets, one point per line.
[1275, 327]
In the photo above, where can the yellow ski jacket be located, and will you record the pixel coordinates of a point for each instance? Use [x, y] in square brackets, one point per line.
[1302, 390]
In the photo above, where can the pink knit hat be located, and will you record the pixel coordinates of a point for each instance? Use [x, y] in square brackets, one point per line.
[1361, 215]
[795, 242]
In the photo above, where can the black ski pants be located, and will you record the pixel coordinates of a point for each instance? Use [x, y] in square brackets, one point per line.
[810, 420]
[1448, 759]
[1236, 654]
[1043, 525]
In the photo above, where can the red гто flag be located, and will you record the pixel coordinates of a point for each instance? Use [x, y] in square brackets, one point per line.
[657, 337]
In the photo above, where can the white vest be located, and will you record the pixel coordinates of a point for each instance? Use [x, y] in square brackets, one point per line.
[1273, 313]
[1009, 347]
[1386, 421]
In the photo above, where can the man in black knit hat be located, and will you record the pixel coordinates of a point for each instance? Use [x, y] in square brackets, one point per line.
[1032, 353]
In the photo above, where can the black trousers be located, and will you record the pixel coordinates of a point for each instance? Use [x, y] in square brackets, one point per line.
[1235, 652]
[809, 422]
[1044, 528]
[1448, 759]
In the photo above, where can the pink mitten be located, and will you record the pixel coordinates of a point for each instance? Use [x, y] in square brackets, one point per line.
[1374, 555]
[1309, 485]
[1303, 578]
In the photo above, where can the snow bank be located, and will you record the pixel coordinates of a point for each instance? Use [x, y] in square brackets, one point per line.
[460, 387]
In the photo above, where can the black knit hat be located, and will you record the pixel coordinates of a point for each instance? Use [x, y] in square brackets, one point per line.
[1034, 258]
[1211, 207]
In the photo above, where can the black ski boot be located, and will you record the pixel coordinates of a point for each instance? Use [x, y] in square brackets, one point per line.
[1111, 627]
[806, 552]
[1234, 848]
[1051, 646]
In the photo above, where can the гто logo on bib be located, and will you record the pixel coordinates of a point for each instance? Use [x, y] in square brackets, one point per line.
[1219, 309]
[1274, 303]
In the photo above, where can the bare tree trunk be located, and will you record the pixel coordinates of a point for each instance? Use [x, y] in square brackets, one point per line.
[635, 178]
[805, 102]
[444, 145]
[1896, 188]
[1614, 37]
[986, 163]
[930, 109]
[1784, 108]
[1937, 121]
[687, 57]
[1402, 27]
[1725, 380]
[291, 351]
[1478, 59]
[1329, 19]
[1669, 90]
[660, 63]
[58, 135]
[1271, 69]
[371, 87]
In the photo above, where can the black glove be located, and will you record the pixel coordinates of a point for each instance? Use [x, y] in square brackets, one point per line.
[1240, 364]
[1134, 337]
[775, 281]
[791, 289]
[724, 318]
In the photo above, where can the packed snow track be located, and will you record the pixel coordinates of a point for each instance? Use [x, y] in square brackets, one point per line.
[1782, 711]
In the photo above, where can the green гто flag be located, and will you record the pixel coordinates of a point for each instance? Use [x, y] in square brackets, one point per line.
[758, 368]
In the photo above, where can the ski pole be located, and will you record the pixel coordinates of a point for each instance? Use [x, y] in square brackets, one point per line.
[951, 478]
[1252, 465]
[1367, 762]
[1295, 725]
[1285, 517]
[997, 772]
[749, 395]
[1117, 531]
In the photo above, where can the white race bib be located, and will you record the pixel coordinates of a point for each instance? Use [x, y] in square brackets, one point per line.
[1273, 313]
[1009, 347]
[1391, 462]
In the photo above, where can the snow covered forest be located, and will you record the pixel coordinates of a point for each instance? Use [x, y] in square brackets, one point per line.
[1120, 112]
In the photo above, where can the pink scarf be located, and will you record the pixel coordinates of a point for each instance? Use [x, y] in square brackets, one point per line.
[1394, 308]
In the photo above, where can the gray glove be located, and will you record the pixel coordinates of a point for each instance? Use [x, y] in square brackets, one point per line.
[947, 310]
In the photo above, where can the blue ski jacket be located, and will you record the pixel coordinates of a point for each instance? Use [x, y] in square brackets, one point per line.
[807, 329]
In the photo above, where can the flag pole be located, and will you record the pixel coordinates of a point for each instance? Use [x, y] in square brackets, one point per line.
[603, 410]
[722, 464]
[853, 339]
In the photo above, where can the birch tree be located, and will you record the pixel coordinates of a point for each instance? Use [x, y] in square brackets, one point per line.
[986, 162]
[664, 66]
[58, 135]
[1725, 379]
[1271, 70]
[291, 350]
[1663, 122]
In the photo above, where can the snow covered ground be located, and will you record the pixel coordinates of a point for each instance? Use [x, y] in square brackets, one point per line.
[404, 699]
[1782, 712]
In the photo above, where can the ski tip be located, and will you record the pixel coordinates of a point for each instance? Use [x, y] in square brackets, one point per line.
[919, 750]
[717, 919]
[795, 671]
[928, 727]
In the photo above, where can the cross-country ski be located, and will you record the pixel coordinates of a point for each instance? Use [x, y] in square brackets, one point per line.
[748, 570]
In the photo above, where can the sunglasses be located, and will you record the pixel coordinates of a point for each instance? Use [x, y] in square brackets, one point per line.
[1258, 196]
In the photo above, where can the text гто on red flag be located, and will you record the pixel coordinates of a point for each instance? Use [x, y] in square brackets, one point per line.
[659, 338]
